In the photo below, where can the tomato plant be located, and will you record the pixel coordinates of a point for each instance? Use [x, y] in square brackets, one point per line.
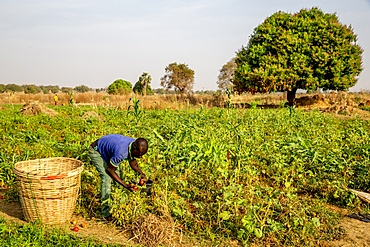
[247, 174]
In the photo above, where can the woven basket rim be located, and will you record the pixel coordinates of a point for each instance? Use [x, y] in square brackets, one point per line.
[362, 195]
[21, 173]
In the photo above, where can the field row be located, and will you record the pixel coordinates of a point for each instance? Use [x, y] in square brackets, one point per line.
[250, 175]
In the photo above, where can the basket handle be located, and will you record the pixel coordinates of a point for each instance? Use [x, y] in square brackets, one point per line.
[52, 177]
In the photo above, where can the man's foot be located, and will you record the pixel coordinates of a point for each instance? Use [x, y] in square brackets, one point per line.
[108, 218]
[364, 218]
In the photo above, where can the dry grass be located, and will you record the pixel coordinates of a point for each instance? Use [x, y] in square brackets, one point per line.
[34, 108]
[122, 101]
[173, 101]
[153, 231]
[91, 114]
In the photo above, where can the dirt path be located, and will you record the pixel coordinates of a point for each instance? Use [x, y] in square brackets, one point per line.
[357, 232]
[95, 228]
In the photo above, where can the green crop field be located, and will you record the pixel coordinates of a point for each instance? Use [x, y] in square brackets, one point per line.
[262, 176]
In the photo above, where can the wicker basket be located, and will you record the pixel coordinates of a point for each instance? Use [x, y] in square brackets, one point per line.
[362, 195]
[48, 188]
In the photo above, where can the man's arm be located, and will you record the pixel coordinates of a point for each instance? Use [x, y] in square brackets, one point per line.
[112, 173]
[134, 165]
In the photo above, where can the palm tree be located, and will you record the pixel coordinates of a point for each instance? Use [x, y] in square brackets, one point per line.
[145, 79]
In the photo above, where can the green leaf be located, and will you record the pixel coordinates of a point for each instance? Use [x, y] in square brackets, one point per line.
[257, 232]
[225, 215]
[316, 221]
[158, 135]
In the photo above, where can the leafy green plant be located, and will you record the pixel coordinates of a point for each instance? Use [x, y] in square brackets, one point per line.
[137, 111]
[365, 108]
[36, 234]
[254, 105]
[253, 176]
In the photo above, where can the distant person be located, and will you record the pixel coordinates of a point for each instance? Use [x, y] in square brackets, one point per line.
[106, 154]
[56, 99]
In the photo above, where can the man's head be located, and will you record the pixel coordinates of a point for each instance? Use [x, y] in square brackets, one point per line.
[139, 148]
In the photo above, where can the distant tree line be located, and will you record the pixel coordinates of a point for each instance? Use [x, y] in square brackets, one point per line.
[138, 88]
[178, 78]
[34, 89]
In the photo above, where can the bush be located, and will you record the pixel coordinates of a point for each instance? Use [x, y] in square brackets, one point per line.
[120, 86]
[82, 89]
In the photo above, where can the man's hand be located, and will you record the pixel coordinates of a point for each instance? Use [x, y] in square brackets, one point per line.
[128, 187]
[132, 187]
[112, 173]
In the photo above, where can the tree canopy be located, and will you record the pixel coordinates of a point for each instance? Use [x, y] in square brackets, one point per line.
[226, 75]
[50, 88]
[13, 88]
[178, 76]
[142, 86]
[119, 86]
[306, 50]
[66, 89]
[31, 89]
[82, 89]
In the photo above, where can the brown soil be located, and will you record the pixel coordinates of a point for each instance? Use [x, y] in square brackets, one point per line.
[357, 234]
[356, 231]
[95, 228]
[150, 231]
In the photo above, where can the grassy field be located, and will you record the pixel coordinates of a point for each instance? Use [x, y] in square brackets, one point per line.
[35, 234]
[241, 176]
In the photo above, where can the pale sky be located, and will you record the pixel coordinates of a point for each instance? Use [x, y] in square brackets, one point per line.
[79, 42]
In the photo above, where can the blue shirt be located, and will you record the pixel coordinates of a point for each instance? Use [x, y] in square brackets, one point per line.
[115, 148]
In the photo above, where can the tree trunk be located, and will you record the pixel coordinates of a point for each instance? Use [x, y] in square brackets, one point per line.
[144, 89]
[291, 96]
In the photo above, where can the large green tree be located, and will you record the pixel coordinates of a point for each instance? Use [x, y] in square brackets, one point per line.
[142, 86]
[306, 50]
[120, 86]
[178, 76]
